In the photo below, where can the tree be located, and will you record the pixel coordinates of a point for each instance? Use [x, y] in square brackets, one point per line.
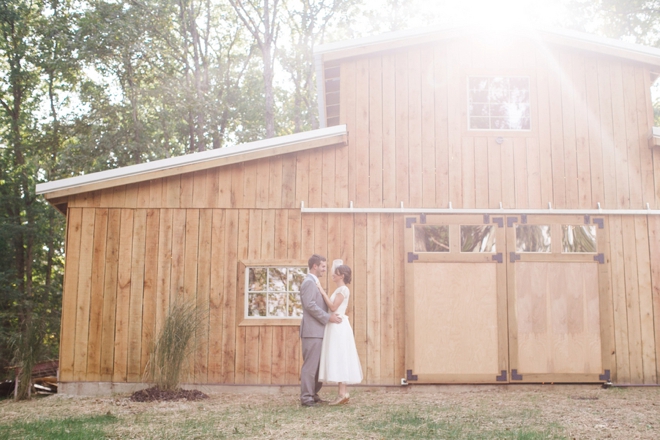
[262, 21]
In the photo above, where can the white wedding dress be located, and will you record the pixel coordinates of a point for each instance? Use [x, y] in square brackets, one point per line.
[339, 357]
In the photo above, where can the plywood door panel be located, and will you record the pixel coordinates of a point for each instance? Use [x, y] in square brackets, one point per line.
[558, 318]
[451, 298]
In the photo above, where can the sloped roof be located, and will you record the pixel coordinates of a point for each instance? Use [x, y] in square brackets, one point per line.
[582, 40]
[196, 161]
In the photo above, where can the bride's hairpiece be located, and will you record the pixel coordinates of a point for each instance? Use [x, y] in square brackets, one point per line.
[336, 264]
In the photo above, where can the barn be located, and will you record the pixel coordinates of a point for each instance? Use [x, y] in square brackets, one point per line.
[496, 192]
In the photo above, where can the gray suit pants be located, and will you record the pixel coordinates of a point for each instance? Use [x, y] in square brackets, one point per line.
[309, 376]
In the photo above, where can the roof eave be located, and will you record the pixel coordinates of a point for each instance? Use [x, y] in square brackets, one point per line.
[324, 137]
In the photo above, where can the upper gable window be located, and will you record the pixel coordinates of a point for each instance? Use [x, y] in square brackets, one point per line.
[498, 103]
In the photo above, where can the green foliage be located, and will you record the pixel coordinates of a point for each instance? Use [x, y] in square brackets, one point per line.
[76, 428]
[174, 346]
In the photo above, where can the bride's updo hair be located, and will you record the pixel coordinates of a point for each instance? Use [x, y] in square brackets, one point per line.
[345, 271]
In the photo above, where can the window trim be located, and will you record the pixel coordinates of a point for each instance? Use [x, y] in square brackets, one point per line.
[244, 321]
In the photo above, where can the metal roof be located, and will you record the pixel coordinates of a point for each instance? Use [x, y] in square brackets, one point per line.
[202, 160]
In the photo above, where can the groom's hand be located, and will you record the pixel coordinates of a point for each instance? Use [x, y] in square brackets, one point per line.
[335, 319]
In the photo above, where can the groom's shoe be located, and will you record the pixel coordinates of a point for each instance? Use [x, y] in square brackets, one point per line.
[311, 404]
[320, 401]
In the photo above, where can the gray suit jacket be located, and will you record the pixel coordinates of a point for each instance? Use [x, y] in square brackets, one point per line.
[315, 311]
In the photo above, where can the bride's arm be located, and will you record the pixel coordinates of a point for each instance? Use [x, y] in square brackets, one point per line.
[331, 305]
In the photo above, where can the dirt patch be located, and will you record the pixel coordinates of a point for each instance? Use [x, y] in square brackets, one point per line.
[156, 394]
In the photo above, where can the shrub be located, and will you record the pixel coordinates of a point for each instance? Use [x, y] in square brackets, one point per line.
[174, 345]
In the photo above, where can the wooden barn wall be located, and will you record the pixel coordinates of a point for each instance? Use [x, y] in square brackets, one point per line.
[130, 248]
[125, 266]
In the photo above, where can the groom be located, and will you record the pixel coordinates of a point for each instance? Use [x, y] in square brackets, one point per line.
[312, 327]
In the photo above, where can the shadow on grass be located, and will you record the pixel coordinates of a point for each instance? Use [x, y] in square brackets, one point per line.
[69, 429]
[412, 424]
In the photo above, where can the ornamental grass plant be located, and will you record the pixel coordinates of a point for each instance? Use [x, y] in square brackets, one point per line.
[174, 346]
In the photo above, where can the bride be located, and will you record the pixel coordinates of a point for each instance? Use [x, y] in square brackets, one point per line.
[339, 358]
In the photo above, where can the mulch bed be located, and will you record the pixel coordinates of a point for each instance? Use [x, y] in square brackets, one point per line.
[156, 394]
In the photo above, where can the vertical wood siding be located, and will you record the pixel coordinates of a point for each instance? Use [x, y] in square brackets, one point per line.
[132, 250]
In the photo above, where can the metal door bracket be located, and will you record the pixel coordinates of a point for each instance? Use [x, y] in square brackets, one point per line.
[515, 375]
[605, 376]
[587, 219]
[497, 257]
[600, 222]
[513, 257]
[523, 219]
[422, 218]
[412, 257]
[600, 258]
[501, 377]
[486, 219]
[410, 376]
[410, 221]
[499, 221]
[510, 221]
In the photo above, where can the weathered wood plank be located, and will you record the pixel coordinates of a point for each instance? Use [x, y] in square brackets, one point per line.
[441, 127]
[654, 255]
[387, 295]
[216, 295]
[119, 372]
[582, 132]
[415, 127]
[398, 298]
[619, 131]
[348, 97]
[619, 301]
[607, 133]
[521, 173]
[137, 289]
[556, 134]
[203, 292]
[401, 128]
[229, 334]
[645, 300]
[70, 296]
[96, 304]
[288, 194]
[164, 267]
[109, 295]
[85, 276]
[427, 157]
[594, 132]
[275, 182]
[150, 285]
[375, 131]
[389, 132]
[633, 143]
[361, 265]
[200, 188]
[544, 132]
[632, 299]
[361, 129]
[568, 92]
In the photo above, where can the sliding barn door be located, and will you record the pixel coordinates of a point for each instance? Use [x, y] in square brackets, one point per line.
[556, 278]
[455, 300]
[492, 299]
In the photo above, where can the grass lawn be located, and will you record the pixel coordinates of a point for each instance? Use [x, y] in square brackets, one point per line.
[550, 412]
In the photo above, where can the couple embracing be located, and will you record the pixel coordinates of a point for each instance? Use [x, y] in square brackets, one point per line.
[328, 346]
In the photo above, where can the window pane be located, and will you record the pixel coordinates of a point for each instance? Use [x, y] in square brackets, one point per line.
[277, 279]
[499, 103]
[295, 308]
[296, 277]
[533, 238]
[277, 304]
[479, 123]
[431, 238]
[256, 304]
[579, 238]
[477, 238]
[257, 279]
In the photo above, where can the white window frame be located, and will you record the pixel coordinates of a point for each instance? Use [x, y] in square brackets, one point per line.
[502, 130]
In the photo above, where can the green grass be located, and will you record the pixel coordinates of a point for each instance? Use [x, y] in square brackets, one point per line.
[91, 427]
